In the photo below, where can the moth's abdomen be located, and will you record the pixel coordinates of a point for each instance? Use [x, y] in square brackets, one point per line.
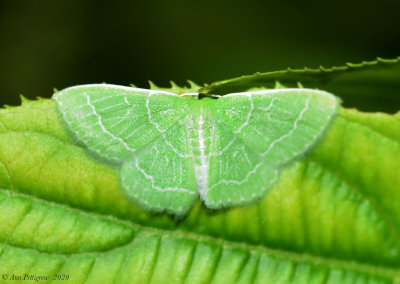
[200, 130]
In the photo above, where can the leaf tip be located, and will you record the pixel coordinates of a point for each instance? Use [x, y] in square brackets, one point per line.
[152, 85]
[278, 85]
[23, 99]
[174, 85]
[193, 85]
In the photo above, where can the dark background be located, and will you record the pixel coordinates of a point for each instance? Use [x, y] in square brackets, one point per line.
[55, 44]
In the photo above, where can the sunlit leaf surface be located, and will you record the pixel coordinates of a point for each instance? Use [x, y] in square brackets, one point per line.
[333, 217]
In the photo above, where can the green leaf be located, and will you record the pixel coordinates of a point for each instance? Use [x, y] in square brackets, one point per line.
[332, 217]
[369, 85]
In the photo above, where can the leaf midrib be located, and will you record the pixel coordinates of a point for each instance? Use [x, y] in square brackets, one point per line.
[353, 265]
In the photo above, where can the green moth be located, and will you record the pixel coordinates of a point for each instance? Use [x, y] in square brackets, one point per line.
[169, 149]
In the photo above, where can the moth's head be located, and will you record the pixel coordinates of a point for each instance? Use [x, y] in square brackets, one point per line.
[200, 96]
[211, 96]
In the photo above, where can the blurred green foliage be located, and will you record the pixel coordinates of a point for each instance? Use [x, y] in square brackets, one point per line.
[55, 44]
